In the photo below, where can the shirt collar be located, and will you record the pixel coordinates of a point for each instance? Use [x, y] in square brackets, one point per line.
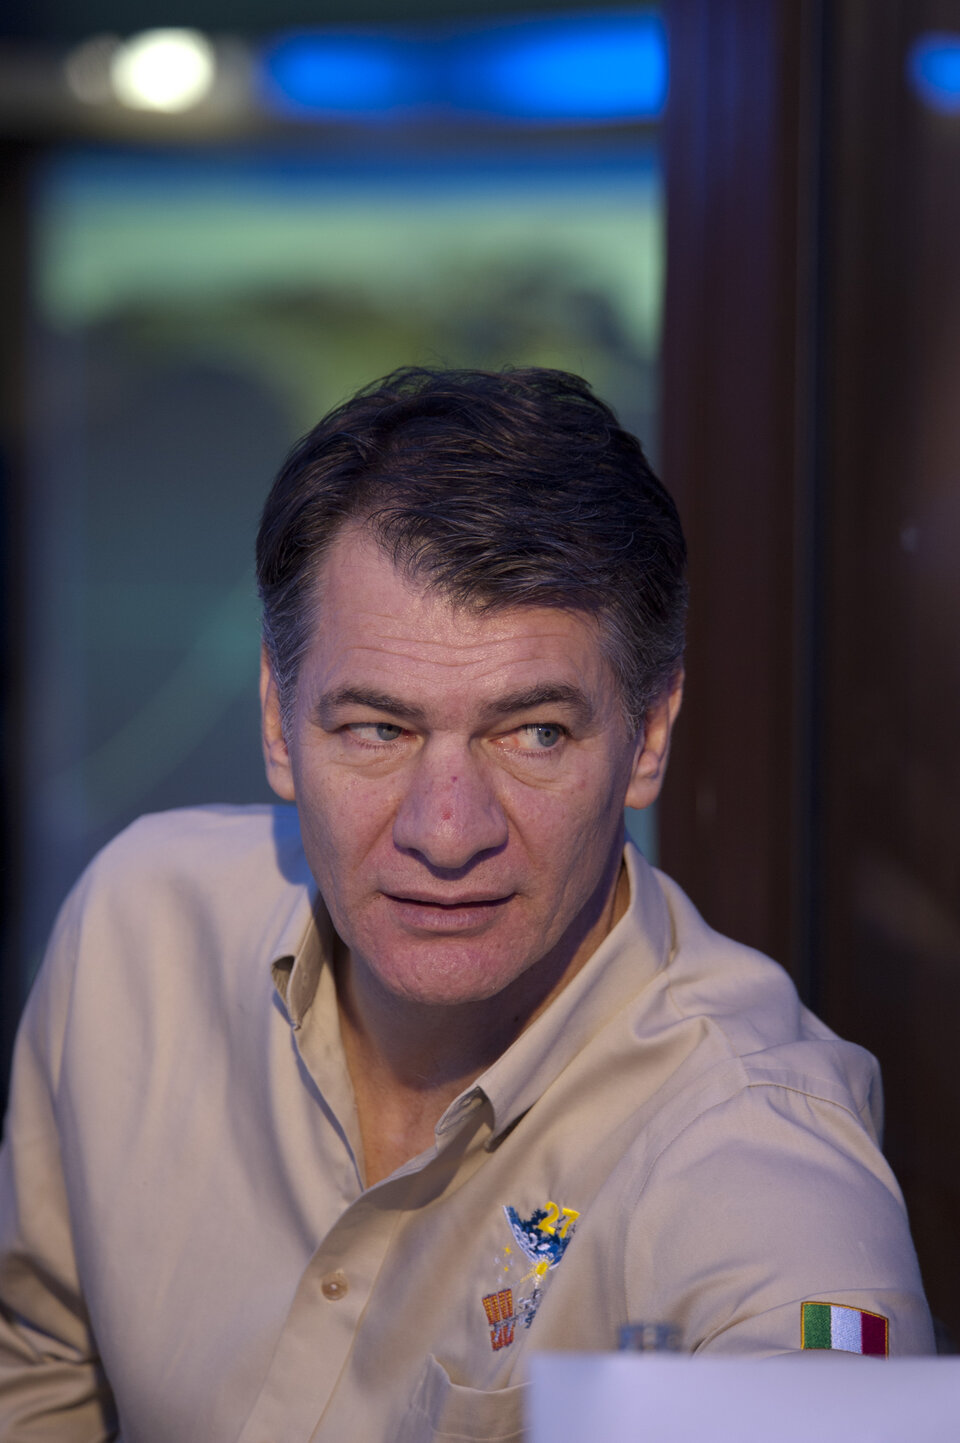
[627, 959]
[304, 946]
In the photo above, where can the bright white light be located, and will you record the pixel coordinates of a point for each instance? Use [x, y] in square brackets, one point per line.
[163, 70]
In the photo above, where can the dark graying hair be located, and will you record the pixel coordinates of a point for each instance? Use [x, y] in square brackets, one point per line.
[500, 489]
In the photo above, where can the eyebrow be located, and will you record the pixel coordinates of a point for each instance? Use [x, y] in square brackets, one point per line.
[368, 697]
[547, 694]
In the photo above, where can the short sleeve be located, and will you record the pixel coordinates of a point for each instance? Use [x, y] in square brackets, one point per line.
[771, 1199]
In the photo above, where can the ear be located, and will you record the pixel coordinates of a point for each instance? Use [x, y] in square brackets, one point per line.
[276, 757]
[653, 749]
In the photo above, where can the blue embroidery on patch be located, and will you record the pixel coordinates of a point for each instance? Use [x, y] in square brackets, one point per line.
[542, 1239]
[539, 1246]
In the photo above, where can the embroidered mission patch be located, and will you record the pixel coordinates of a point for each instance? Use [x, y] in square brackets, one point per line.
[846, 1330]
[540, 1240]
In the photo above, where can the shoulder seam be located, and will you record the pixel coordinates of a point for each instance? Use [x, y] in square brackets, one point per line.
[852, 1108]
[734, 1092]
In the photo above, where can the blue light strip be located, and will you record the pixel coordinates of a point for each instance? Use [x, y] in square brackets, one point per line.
[570, 68]
[584, 68]
[933, 68]
[340, 72]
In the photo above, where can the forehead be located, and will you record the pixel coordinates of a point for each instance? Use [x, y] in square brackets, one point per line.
[373, 619]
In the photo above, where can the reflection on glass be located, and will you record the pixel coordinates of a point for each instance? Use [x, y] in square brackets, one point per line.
[196, 315]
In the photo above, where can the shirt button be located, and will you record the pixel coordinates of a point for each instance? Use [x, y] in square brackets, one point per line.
[334, 1286]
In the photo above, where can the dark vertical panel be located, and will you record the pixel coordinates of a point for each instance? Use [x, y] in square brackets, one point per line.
[738, 181]
[891, 940]
[13, 273]
[812, 436]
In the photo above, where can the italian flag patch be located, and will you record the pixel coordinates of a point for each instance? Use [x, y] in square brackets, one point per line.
[847, 1330]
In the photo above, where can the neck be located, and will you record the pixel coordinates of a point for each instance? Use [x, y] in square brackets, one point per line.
[409, 1060]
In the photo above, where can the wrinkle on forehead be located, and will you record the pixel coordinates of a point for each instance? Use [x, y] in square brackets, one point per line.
[378, 628]
[503, 673]
[357, 546]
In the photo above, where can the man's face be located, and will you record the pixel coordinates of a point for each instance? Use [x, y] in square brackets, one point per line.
[460, 780]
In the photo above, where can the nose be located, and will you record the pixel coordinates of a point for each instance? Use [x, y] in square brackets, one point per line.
[449, 813]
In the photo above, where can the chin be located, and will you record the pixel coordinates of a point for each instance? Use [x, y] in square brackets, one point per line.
[451, 977]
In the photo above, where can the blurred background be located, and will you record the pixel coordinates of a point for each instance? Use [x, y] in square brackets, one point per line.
[739, 219]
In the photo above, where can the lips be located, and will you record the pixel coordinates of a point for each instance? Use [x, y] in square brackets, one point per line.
[445, 914]
[447, 902]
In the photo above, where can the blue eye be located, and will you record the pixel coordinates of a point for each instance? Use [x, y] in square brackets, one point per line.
[387, 733]
[544, 735]
[371, 732]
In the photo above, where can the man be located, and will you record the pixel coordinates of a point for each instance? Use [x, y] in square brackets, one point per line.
[324, 1118]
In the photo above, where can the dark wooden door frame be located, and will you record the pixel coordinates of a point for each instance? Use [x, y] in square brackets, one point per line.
[739, 453]
[811, 434]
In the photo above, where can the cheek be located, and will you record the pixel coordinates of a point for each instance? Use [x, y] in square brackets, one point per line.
[575, 825]
[342, 816]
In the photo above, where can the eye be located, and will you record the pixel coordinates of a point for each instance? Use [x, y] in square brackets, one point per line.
[540, 736]
[371, 732]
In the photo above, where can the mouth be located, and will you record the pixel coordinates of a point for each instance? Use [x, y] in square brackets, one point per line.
[446, 913]
[447, 902]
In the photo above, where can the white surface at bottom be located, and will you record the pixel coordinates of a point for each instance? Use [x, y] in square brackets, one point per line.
[664, 1398]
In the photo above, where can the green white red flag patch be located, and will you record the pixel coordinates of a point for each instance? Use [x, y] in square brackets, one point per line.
[847, 1330]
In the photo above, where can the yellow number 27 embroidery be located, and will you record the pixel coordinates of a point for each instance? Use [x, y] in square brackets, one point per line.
[552, 1223]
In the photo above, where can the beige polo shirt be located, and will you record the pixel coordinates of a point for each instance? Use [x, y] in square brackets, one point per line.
[185, 1234]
